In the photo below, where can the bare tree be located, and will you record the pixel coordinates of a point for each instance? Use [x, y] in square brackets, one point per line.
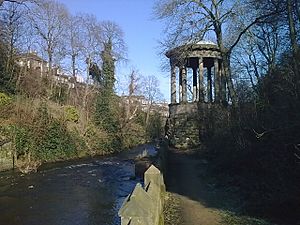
[286, 14]
[150, 89]
[74, 40]
[91, 48]
[12, 30]
[257, 52]
[74, 50]
[48, 19]
[130, 103]
[112, 32]
[193, 20]
[13, 1]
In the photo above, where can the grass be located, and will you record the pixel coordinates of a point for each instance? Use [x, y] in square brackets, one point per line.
[229, 218]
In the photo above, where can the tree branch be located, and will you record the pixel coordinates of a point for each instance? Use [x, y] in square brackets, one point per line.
[256, 21]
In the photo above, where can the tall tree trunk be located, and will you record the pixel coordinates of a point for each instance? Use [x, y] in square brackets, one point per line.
[293, 37]
[74, 77]
[225, 63]
[228, 77]
[50, 77]
[148, 114]
[297, 7]
[292, 29]
[74, 66]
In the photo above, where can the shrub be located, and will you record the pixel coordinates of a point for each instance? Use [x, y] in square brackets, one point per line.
[78, 139]
[100, 141]
[4, 99]
[56, 143]
[22, 140]
[71, 114]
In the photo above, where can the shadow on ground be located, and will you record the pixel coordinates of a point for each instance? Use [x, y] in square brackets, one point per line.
[187, 175]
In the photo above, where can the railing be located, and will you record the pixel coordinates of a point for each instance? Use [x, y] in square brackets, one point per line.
[144, 206]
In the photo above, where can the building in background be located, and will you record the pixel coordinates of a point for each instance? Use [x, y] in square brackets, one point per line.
[32, 62]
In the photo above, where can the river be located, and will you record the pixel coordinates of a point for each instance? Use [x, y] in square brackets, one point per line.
[82, 192]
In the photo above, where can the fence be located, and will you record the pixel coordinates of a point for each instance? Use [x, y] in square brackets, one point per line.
[144, 206]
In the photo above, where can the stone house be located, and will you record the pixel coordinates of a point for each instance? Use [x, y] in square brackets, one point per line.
[33, 62]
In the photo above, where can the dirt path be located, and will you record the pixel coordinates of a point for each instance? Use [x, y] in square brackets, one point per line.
[196, 199]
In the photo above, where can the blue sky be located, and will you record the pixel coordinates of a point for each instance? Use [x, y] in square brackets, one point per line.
[141, 31]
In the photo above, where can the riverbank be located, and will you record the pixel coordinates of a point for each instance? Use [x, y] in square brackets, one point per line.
[34, 131]
[137, 152]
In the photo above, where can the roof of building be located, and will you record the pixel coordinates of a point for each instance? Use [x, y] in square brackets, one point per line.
[193, 46]
[31, 55]
[203, 42]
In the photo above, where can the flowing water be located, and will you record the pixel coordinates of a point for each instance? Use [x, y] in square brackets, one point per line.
[84, 192]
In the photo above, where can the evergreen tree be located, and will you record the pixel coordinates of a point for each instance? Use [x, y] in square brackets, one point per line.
[108, 66]
[106, 109]
[7, 79]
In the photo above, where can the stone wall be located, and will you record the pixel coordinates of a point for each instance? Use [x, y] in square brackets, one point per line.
[144, 206]
[190, 123]
[184, 125]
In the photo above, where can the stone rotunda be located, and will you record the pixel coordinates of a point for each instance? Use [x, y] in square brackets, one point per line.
[197, 83]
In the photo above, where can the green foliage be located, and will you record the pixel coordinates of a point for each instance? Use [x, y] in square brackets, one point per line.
[106, 111]
[8, 70]
[4, 99]
[108, 67]
[133, 136]
[155, 126]
[23, 143]
[80, 143]
[71, 114]
[51, 138]
[56, 143]
[99, 141]
[107, 104]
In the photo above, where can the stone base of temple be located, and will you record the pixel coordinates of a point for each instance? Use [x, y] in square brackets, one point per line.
[184, 133]
[189, 124]
[183, 125]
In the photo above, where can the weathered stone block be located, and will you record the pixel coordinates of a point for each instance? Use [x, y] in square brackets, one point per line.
[144, 206]
[138, 207]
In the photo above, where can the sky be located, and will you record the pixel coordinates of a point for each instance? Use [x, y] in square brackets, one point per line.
[141, 31]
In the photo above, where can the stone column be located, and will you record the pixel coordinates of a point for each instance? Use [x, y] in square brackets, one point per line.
[195, 95]
[180, 85]
[173, 84]
[42, 68]
[200, 83]
[198, 88]
[217, 80]
[184, 84]
[209, 85]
